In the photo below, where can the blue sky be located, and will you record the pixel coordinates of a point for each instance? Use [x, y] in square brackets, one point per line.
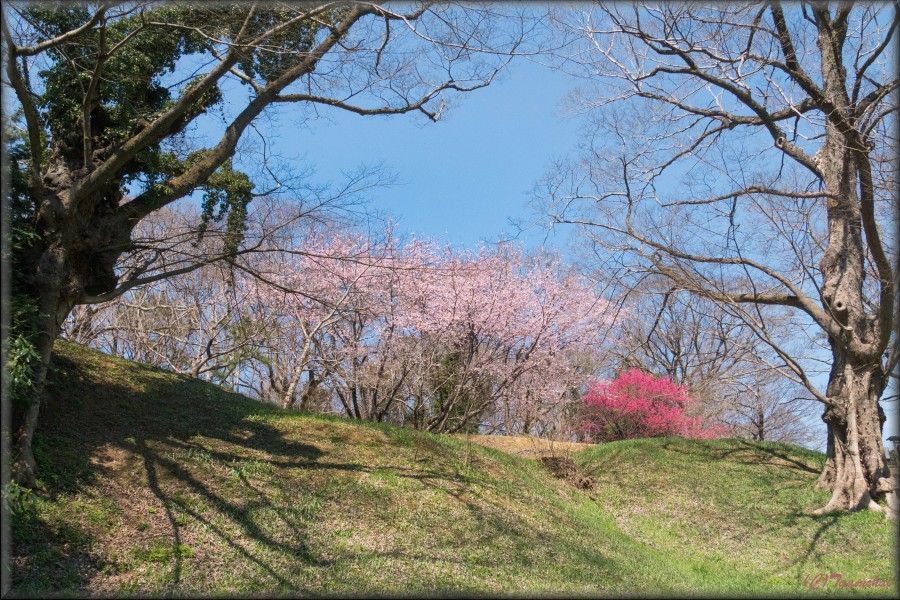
[461, 179]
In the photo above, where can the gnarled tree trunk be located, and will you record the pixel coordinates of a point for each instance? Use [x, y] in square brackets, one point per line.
[75, 256]
[856, 469]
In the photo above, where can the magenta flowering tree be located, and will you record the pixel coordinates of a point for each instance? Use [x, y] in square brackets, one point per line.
[638, 405]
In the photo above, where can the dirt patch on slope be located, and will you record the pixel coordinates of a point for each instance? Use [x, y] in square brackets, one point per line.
[563, 467]
[526, 446]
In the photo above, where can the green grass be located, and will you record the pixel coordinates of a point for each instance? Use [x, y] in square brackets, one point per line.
[750, 503]
[158, 484]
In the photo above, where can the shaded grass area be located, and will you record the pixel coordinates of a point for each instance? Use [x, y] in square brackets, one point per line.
[154, 483]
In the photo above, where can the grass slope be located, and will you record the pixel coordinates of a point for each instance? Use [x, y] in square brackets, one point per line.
[155, 483]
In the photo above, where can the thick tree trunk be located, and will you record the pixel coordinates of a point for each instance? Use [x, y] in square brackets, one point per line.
[24, 468]
[826, 479]
[856, 469]
[75, 256]
[54, 308]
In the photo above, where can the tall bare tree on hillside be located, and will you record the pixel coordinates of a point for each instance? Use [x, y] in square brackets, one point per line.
[747, 153]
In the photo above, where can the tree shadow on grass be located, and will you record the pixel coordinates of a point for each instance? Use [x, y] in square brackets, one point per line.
[812, 551]
[781, 469]
[761, 451]
[238, 515]
[48, 556]
[185, 447]
[178, 455]
[138, 417]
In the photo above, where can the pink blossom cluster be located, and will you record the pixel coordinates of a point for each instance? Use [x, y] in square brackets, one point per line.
[638, 405]
[386, 313]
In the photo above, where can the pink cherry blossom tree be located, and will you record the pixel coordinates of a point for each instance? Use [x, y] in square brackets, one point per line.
[311, 297]
[511, 325]
[374, 327]
[412, 333]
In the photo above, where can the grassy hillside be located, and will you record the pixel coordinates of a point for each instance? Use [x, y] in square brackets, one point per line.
[737, 507]
[158, 484]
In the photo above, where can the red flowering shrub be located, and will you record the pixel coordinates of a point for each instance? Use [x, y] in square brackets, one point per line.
[639, 405]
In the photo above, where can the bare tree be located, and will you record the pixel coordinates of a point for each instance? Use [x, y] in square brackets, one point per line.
[108, 92]
[769, 407]
[746, 152]
[730, 373]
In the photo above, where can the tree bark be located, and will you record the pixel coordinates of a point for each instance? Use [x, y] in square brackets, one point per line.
[54, 308]
[75, 255]
[826, 478]
[856, 469]
[24, 468]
